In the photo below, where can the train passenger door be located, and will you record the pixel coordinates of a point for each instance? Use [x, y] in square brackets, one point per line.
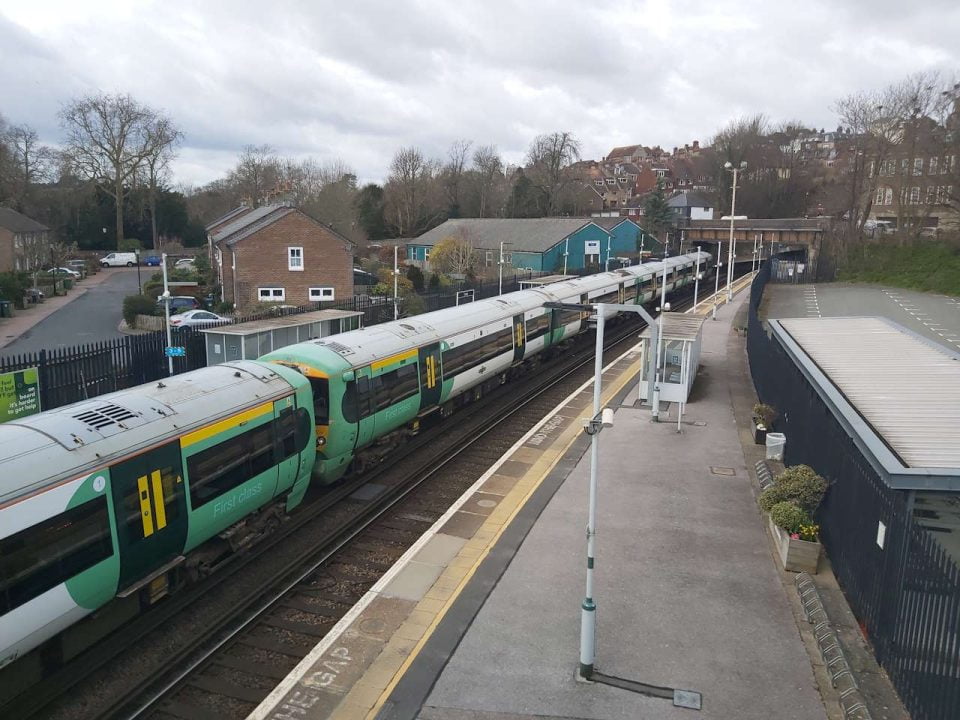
[288, 441]
[150, 507]
[366, 405]
[431, 380]
[519, 338]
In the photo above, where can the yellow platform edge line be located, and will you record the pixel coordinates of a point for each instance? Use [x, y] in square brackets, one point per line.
[622, 381]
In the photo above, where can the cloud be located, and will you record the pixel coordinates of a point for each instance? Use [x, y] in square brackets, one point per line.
[360, 80]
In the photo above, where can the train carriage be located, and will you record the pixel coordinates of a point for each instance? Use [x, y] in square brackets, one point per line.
[107, 497]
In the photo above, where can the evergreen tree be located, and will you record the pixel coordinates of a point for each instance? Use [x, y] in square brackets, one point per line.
[369, 204]
[656, 214]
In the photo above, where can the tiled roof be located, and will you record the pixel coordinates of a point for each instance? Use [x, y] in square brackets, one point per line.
[226, 216]
[255, 220]
[530, 234]
[689, 199]
[16, 222]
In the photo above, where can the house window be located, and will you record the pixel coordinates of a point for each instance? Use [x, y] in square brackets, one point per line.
[623, 181]
[947, 166]
[914, 195]
[426, 255]
[871, 168]
[933, 166]
[888, 196]
[610, 181]
[880, 195]
[904, 164]
[489, 258]
[918, 166]
[271, 294]
[295, 258]
[321, 293]
[931, 194]
[598, 182]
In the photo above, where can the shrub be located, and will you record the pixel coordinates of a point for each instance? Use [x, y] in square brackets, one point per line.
[134, 305]
[223, 308]
[765, 413]
[789, 516]
[799, 484]
[415, 276]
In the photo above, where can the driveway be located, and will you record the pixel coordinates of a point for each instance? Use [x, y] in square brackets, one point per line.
[93, 316]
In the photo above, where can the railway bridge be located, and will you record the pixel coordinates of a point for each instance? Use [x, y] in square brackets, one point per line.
[775, 234]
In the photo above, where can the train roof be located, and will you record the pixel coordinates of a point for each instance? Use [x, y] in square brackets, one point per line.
[42, 450]
[367, 345]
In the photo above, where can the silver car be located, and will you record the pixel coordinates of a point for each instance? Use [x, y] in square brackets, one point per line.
[197, 318]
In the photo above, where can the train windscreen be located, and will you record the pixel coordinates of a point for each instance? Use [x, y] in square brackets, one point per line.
[321, 400]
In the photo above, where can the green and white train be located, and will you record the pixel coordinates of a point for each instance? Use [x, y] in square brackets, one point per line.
[137, 491]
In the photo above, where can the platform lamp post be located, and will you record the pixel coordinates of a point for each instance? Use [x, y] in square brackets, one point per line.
[396, 276]
[716, 278]
[166, 311]
[696, 281]
[733, 216]
[566, 253]
[502, 243]
[139, 282]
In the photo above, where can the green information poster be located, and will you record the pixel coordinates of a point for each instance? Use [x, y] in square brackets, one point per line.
[19, 394]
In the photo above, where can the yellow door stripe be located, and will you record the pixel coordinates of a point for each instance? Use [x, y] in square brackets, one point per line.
[159, 501]
[219, 427]
[393, 359]
[145, 515]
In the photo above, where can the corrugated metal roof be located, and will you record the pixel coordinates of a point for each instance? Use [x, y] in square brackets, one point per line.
[678, 326]
[282, 321]
[523, 234]
[905, 387]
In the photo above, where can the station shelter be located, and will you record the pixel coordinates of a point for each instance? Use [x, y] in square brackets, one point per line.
[680, 340]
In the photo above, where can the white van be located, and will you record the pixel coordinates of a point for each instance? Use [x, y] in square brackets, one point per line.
[119, 259]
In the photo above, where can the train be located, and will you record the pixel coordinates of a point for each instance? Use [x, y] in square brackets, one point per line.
[134, 493]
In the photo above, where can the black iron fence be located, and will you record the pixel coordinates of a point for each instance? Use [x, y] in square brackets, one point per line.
[906, 594]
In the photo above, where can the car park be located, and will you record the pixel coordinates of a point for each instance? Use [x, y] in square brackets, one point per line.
[152, 260]
[197, 318]
[119, 259]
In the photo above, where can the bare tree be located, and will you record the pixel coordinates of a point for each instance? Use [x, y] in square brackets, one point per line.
[108, 137]
[156, 165]
[489, 169]
[548, 158]
[256, 173]
[30, 162]
[408, 191]
[453, 171]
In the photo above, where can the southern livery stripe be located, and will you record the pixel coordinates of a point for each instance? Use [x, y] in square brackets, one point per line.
[394, 359]
[224, 425]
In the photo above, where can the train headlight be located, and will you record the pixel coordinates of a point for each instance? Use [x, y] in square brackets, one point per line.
[321, 441]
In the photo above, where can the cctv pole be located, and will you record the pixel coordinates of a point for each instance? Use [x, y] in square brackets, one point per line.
[716, 278]
[696, 281]
[396, 311]
[166, 311]
[588, 609]
[733, 211]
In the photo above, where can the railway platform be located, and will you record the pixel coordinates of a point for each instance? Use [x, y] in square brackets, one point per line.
[480, 619]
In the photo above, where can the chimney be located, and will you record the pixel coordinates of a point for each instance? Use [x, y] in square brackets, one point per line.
[674, 151]
[696, 144]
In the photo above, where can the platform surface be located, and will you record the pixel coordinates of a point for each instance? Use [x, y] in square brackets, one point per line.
[481, 618]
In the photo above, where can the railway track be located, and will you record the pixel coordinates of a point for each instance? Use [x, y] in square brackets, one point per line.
[336, 549]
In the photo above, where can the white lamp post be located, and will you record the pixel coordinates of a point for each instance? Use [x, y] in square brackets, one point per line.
[733, 212]
[502, 243]
[396, 274]
[716, 278]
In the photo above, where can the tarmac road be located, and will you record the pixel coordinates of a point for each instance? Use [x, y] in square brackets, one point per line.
[91, 317]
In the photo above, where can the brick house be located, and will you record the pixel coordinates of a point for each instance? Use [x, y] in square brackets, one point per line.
[279, 254]
[24, 243]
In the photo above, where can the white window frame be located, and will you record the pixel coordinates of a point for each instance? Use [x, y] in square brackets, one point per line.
[915, 195]
[881, 192]
[888, 196]
[931, 195]
[321, 294]
[932, 166]
[295, 258]
[918, 166]
[271, 294]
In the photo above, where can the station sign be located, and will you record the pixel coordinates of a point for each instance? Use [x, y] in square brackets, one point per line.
[175, 352]
[19, 394]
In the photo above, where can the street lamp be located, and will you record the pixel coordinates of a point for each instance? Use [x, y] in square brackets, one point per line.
[139, 283]
[733, 216]
[502, 243]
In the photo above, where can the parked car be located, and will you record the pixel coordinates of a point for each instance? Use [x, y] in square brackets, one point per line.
[197, 318]
[186, 264]
[152, 260]
[78, 265]
[178, 303]
[68, 272]
[119, 259]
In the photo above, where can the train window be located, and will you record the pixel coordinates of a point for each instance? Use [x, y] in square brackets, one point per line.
[565, 317]
[395, 386]
[221, 468]
[538, 326]
[293, 433]
[469, 355]
[321, 400]
[41, 557]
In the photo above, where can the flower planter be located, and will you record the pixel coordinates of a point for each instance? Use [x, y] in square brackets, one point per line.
[795, 555]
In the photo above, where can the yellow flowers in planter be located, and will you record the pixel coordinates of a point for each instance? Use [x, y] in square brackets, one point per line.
[810, 533]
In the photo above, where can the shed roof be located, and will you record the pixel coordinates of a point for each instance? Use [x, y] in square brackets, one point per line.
[678, 326]
[902, 388]
[281, 321]
[17, 222]
[523, 234]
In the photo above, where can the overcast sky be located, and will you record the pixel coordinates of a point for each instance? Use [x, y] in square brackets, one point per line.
[359, 79]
